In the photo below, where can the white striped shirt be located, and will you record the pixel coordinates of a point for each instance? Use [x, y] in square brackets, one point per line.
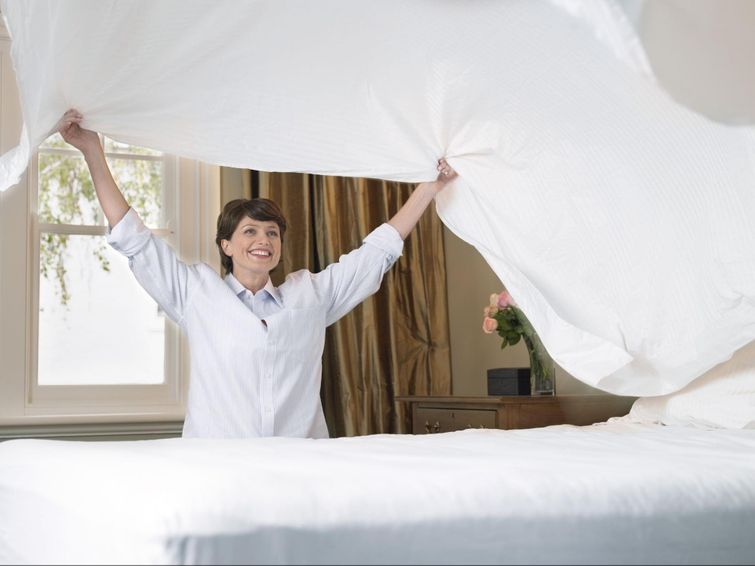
[256, 359]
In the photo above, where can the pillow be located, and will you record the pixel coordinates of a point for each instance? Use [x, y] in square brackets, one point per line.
[724, 397]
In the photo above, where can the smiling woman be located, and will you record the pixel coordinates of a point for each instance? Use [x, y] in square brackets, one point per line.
[256, 349]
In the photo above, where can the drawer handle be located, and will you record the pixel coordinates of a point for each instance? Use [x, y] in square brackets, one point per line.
[434, 428]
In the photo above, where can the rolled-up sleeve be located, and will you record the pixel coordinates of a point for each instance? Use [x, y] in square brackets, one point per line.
[129, 235]
[387, 238]
[154, 264]
[358, 274]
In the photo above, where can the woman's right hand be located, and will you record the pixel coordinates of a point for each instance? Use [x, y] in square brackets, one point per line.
[74, 134]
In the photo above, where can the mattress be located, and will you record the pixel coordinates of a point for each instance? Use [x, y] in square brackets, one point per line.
[615, 492]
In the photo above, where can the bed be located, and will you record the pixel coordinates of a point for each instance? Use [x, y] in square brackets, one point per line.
[615, 492]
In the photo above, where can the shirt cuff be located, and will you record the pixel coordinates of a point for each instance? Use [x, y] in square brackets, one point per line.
[387, 238]
[129, 235]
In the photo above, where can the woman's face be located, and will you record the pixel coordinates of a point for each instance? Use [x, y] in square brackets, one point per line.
[255, 246]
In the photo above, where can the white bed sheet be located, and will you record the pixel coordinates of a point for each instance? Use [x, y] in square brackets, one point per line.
[604, 206]
[609, 493]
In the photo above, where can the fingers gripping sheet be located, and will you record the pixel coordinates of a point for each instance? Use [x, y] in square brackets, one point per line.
[619, 220]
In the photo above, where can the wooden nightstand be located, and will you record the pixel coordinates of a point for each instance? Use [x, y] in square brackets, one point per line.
[446, 414]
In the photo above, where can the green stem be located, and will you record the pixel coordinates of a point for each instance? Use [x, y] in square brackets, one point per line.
[542, 367]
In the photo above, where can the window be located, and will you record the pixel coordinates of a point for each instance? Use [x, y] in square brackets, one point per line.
[96, 338]
[83, 350]
[92, 315]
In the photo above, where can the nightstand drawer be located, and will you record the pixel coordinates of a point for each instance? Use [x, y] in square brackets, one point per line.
[431, 420]
[473, 418]
[445, 414]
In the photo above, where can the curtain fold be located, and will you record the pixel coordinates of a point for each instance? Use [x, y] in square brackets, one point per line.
[396, 342]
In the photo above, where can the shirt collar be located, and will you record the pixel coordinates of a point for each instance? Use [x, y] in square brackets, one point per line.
[239, 289]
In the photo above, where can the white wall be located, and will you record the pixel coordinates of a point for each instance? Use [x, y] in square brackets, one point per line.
[703, 52]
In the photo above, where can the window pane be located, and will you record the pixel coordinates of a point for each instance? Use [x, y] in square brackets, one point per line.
[96, 324]
[116, 146]
[66, 192]
[141, 182]
[67, 195]
[57, 141]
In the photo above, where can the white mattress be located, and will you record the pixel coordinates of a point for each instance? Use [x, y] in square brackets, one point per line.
[609, 493]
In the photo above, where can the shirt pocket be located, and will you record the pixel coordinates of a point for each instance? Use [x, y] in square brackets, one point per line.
[304, 330]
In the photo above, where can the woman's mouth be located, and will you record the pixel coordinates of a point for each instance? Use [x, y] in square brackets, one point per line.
[261, 254]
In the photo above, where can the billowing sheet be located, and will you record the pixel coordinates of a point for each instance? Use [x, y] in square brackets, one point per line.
[620, 221]
[615, 493]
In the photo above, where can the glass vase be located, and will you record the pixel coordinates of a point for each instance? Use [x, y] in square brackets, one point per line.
[542, 367]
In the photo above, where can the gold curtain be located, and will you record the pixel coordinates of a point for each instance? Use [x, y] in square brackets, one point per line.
[396, 342]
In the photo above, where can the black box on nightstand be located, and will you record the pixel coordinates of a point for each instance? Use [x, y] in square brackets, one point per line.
[509, 381]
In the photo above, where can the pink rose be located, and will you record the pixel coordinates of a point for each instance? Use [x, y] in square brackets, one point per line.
[489, 325]
[490, 311]
[505, 300]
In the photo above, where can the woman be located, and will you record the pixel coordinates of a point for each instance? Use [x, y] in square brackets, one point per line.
[256, 349]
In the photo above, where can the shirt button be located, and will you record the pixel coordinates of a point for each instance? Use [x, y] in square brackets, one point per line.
[269, 376]
[268, 410]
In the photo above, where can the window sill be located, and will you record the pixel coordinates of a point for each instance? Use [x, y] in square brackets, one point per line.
[94, 431]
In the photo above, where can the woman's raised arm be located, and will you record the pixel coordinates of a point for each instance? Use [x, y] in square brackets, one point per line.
[153, 262]
[111, 199]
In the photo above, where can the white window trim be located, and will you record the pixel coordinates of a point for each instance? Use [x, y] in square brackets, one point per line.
[27, 409]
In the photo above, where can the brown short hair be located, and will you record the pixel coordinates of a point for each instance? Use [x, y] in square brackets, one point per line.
[234, 211]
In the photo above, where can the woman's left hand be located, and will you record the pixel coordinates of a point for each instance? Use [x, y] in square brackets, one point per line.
[406, 218]
[445, 173]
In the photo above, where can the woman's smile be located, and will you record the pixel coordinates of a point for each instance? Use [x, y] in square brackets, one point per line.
[260, 254]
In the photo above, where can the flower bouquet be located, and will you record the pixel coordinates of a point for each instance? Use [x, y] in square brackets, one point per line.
[504, 317]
